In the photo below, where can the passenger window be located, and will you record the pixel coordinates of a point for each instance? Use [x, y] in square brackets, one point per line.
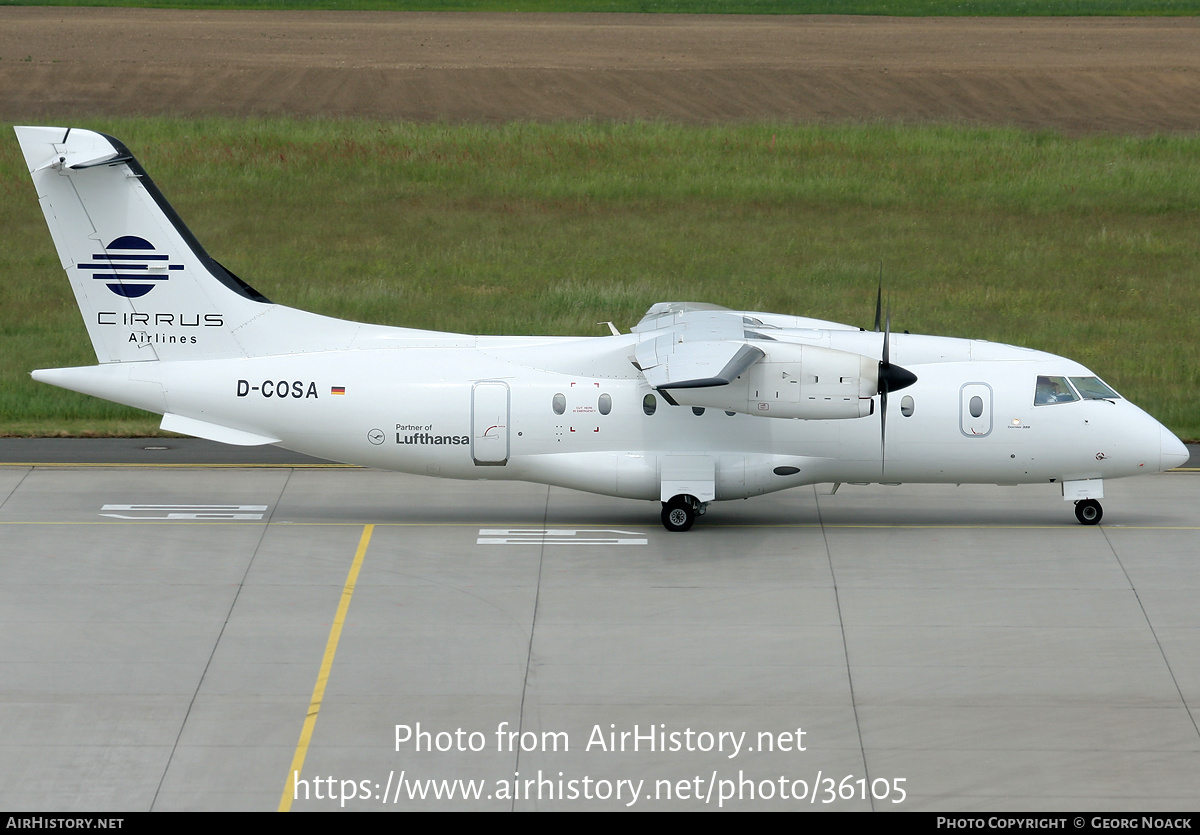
[1053, 390]
[605, 404]
[649, 404]
[906, 406]
[560, 403]
[976, 406]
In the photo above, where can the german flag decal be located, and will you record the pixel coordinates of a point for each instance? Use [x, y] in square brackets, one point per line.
[337, 390]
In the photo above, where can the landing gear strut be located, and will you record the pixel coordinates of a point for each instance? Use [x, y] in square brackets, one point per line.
[1088, 512]
[679, 514]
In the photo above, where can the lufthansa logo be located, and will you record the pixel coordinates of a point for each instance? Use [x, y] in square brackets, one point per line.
[130, 267]
[376, 436]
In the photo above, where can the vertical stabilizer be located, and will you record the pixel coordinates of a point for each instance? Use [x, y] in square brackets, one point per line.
[146, 288]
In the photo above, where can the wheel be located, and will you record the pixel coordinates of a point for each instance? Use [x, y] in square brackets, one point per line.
[678, 515]
[1088, 512]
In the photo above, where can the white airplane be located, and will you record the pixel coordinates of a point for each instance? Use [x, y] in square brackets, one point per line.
[696, 404]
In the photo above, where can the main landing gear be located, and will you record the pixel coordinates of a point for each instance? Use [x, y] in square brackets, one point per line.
[679, 514]
[1087, 511]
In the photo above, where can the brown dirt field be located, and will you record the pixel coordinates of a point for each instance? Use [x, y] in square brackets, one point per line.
[1076, 75]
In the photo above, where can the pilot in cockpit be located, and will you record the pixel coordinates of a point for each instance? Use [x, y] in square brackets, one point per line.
[1052, 390]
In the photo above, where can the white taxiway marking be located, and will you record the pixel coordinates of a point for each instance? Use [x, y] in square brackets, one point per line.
[223, 512]
[558, 536]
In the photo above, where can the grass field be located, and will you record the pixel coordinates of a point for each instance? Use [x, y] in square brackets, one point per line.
[1083, 247]
[903, 8]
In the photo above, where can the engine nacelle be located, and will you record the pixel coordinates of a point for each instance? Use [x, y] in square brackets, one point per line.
[795, 381]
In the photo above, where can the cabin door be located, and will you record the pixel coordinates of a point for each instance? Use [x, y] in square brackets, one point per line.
[489, 423]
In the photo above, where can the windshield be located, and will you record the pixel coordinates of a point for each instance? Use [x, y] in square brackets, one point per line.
[1053, 390]
[1091, 388]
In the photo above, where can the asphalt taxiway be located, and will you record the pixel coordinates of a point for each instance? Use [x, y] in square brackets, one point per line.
[182, 636]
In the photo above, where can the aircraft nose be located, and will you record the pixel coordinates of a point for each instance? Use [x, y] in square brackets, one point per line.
[1174, 453]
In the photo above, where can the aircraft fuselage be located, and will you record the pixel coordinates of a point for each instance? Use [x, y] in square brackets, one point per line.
[488, 411]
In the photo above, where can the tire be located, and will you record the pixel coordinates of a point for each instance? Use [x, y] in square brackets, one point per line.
[678, 515]
[1088, 512]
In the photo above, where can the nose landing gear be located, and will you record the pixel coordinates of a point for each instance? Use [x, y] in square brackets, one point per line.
[1088, 512]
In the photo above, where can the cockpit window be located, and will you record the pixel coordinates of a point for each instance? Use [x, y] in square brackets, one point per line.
[1091, 388]
[1053, 390]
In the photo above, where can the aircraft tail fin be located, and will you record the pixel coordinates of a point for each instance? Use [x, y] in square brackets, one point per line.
[145, 286]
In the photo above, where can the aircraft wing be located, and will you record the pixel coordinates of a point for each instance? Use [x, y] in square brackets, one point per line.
[689, 345]
[666, 314]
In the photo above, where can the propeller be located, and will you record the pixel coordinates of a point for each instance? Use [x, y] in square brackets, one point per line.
[891, 378]
[879, 298]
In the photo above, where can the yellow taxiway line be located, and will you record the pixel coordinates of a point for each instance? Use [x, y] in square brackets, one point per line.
[314, 706]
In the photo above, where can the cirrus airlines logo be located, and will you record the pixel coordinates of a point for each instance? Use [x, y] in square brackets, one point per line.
[130, 266]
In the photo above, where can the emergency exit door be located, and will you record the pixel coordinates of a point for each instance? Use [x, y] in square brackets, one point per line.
[975, 409]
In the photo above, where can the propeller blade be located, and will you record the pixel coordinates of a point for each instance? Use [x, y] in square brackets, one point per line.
[887, 335]
[891, 378]
[882, 429]
[885, 366]
[879, 298]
